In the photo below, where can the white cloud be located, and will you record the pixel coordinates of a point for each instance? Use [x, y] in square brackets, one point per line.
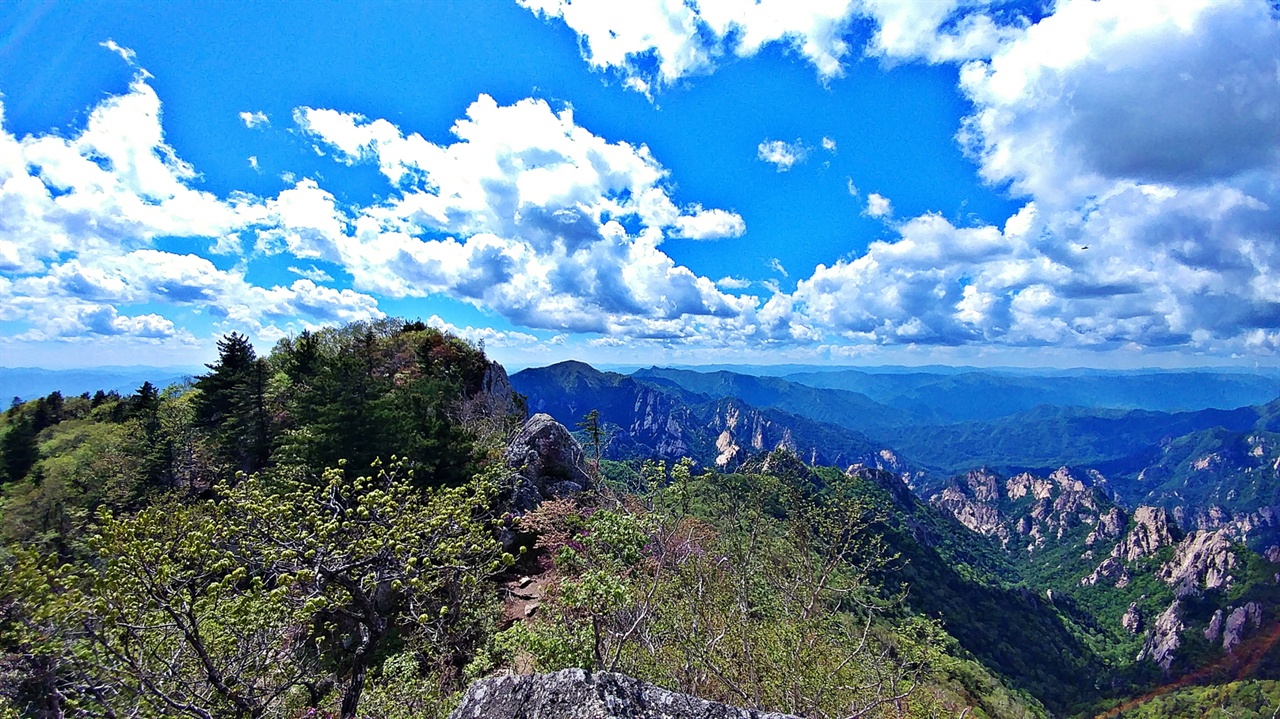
[935, 31]
[782, 154]
[654, 43]
[852, 188]
[1147, 139]
[253, 162]
[709, 224]
[775, 264]
[489, 336]
[126, 54]
[878, 205]
[523, 216]
[313, 273]
[733, 283]
[255, 119]
[828, 144]
[78, 214]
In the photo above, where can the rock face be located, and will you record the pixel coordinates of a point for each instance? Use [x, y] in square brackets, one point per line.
[578, 694]
[1163, 640]
[1214, 630]
[1151, 531]
[1112, 571]
[1202, 560]
[974, 501]
[547, 461]
[1030, 509]
[1132, 619]
[1238, 623]
[1110, 526]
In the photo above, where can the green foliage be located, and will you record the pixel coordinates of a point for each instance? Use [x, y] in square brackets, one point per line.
[1236, 700]
[258, 601]
[759, 596]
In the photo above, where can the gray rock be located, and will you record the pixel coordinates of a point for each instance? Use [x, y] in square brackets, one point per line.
[578, 694]
[1238, 623]
[1132, 619]
[547, 461]
[1151, 531]
[1214, 630]
[1164, 637]
[1203, 560]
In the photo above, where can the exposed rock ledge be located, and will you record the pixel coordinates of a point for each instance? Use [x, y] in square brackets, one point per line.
[578, 694]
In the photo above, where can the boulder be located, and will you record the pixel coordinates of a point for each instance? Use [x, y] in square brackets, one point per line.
[1132, 619]
[547, 461]
[578, 694]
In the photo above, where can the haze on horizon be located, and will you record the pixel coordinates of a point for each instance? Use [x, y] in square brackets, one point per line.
[844, 182]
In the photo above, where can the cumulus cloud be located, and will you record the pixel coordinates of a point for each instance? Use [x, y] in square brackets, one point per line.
[877, 205]
[828, 144]
[709, 224]
[936, 31]
[526, 214]
[654, 43]
[782, 155]
[79, 216]
[1146, 133]
[491, 337]
[255, 119]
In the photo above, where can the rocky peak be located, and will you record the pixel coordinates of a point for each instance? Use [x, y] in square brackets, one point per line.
[1151, 530]
[1132, 619]
[1110, 525]
[1164, 638]
[1202, 560]
[547, 461]
[579, 694]
[959, 499]
[1021, 485]
[983, 485]
[1239, 621]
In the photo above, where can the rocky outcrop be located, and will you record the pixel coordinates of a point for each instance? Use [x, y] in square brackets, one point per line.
[1164, 638]
[578, 694]
[1111, 571]
[1110, 526]
[1132, 619]
[1214, 630]
[1238, 623]
[1037, 509]
[974, 501]
[1151, 531]
[547, 462]
[1203, 560]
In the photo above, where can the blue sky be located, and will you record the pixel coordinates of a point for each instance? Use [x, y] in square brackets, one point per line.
[843, 181]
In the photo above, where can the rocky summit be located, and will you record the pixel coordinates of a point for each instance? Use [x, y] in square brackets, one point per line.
[579, 694]
[547, 460]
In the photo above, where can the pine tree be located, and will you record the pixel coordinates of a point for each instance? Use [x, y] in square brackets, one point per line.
[232, 405]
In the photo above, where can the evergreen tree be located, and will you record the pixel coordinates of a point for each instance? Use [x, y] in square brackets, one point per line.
[232, 405]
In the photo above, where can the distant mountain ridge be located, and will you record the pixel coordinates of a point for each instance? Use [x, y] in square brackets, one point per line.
[662, 419]
[31, 382]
